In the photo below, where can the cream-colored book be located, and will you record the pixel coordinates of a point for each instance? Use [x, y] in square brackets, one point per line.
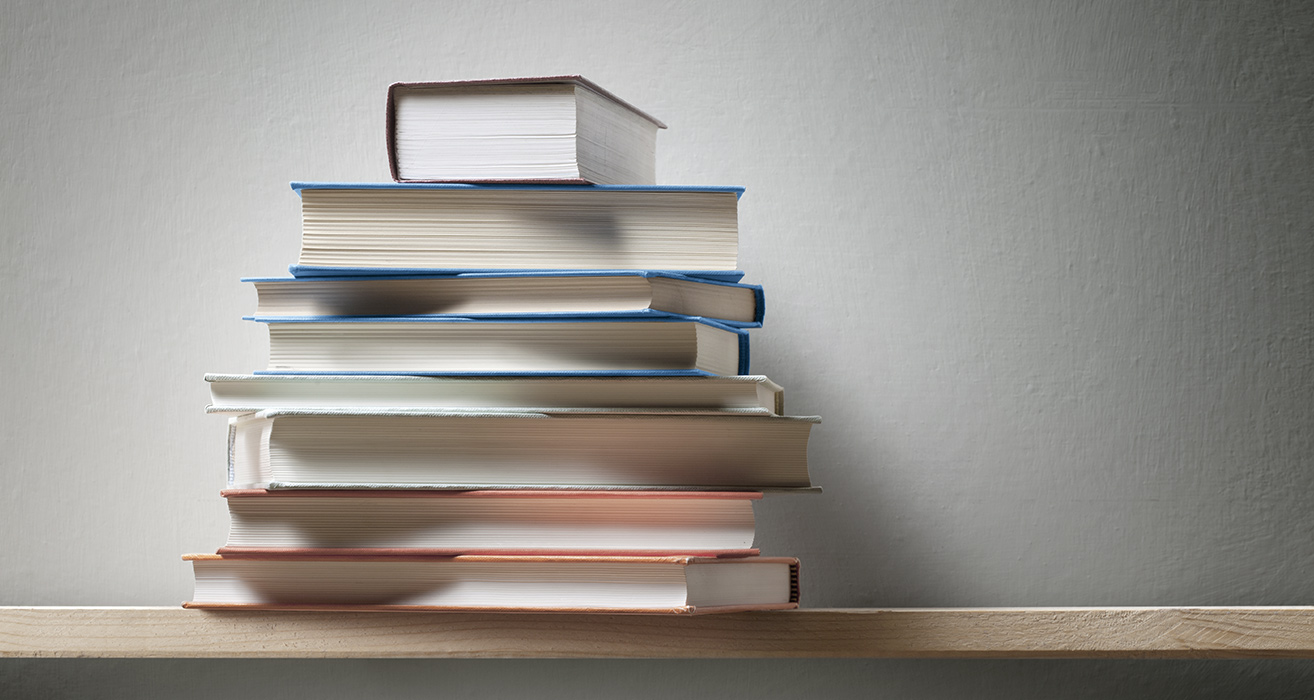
[248, 393]
[394, 448]
[428, 521]
[360, 227]
[441, 345]
[630, 584]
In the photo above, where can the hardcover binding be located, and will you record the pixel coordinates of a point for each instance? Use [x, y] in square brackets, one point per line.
[390, 118]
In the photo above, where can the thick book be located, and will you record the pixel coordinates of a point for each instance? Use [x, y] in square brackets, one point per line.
[551, 295]
[343, 522]
[396, 448]
[442, 345]
[588, 584]
[561, 129]
[247, 393]
[353, 227]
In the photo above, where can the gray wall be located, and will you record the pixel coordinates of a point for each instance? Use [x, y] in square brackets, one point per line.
[1045, 268]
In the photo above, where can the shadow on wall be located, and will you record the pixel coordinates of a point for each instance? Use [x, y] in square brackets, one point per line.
[857, 545]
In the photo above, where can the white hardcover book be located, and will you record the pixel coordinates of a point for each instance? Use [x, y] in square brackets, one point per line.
[345, 522]
[634, 584]
[248, 393]
[359, 228]
[440, 345]
[559, 129]
[328, 448]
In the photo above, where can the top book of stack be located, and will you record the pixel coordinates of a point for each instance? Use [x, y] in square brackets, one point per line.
[559, 129]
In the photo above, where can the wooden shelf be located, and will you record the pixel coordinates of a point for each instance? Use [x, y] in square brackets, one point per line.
[1205, 632]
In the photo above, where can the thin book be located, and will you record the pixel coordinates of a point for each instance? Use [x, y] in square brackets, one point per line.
[248, 393]
[567, 294]
[326, 522]
[483, 583]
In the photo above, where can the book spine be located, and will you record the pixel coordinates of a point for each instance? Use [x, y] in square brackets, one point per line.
[390, 128]
[743, 353]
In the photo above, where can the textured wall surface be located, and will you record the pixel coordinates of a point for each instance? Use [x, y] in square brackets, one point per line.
[1045, 268]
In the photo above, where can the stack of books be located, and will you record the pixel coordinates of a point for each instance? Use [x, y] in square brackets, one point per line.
[515, 379]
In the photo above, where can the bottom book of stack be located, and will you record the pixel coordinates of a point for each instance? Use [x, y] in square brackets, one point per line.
[495, 583]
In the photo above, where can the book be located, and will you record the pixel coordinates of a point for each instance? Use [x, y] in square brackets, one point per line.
[397, 448]
[340, 522]
[557, 295]
[247, 393]
[563, 129]
[679, 585]
[444, 345]
[349, 227]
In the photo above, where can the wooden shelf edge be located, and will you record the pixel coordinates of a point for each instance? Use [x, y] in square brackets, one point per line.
[1149, 632]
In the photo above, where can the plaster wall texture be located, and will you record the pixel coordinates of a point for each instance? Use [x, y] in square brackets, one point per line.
[1045, 268]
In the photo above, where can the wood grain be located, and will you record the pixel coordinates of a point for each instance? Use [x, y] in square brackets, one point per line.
[126, 632]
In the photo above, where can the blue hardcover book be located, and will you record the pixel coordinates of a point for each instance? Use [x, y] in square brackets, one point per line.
[401, 228]
[461, 346]
[562, 295]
